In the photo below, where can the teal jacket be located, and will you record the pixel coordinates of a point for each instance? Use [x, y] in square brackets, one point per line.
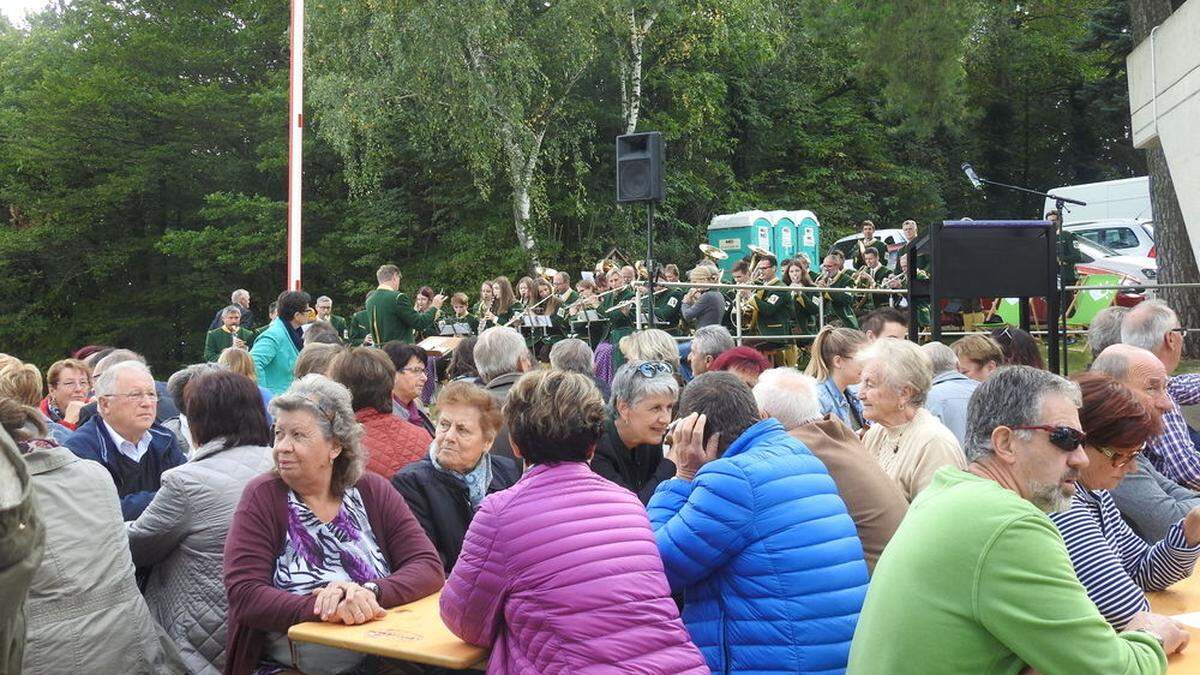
[274, 356]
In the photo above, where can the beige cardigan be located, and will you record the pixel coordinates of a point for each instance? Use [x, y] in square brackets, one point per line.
[911, 453]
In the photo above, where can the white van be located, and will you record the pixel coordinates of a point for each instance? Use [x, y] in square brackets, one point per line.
[1127, 199]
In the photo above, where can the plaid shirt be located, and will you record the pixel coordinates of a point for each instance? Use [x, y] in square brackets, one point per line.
[1173, 452]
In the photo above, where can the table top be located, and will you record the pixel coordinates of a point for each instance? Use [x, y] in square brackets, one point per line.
[1182, 598]
[413, 633]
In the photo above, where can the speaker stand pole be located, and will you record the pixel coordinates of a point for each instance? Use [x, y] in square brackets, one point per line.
[650, 258]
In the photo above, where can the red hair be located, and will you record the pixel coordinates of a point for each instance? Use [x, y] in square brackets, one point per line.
[745, 359]
[1113, 415]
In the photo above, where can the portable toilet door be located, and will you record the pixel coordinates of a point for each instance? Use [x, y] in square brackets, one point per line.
[734, 233]
[785, 239]
[808, 236]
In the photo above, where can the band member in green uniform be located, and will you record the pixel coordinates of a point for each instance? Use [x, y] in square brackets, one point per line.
[392, 314]
[230, 334]
[668, 306]
[838, 306]
[738, 301]
[483, 310]
[360, 329]
[803, 303]
[774, 314]
[1069, 254]
[505, 302]
[461, 322]
[562, 288]
[620, 321]
[900, 280]
[871, 275]
[868, 242]
[595, 331]
[324, 308]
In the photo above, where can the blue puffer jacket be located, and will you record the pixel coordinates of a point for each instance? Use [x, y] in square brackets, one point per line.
[768, 559]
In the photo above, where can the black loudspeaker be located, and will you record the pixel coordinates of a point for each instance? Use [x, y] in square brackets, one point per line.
[640, 167]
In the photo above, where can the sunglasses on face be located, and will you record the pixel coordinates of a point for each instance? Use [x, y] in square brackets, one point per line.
[1119, 460]
[653, 369]
[1064, 438]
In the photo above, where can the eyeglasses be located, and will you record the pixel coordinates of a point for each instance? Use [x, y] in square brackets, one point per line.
[1065, 438]
[653, 369]
[137, 396]
[413, 370]
[1119, 460]
[1181, 330]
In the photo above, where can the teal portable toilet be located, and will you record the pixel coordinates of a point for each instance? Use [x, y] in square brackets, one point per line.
[808, 236]
[784, 236]
[734, 233]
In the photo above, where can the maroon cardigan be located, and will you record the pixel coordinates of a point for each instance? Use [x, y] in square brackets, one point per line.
[256, 539]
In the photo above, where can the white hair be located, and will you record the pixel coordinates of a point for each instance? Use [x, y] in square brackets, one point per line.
[239, 293]
[324, 298]
[904, 365]
[106, 384]
[499, 351]
[941, 357]
[1146, 325]
[789, 396]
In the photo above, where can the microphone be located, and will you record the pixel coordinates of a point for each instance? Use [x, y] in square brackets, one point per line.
[972, 176]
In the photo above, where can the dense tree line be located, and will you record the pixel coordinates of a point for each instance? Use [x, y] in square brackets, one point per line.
[143, 143]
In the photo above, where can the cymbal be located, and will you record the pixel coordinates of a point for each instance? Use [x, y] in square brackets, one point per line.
[713, 252]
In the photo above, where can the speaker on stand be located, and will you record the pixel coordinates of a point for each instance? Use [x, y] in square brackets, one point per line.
[640, 179]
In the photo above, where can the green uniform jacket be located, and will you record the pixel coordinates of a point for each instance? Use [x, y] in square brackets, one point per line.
[620, 323]
[978, 580]
[879, 247]
[668, 309]
[449, 322]
[393, 317]
[218, 340]
[804, 311]
[1068, 255]
[339, 324]
[360, 328]
[774, 311]
[840, 305]
[877, 300]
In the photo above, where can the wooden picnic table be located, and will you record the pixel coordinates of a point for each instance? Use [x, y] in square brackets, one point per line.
[1182, 598]
[413, 633]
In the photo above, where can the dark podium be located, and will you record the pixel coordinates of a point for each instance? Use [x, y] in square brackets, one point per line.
[988, 258]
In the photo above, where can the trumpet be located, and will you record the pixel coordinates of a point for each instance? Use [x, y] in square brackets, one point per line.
[863, 278]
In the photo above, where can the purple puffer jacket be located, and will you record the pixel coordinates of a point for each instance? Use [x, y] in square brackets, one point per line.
[560, 574]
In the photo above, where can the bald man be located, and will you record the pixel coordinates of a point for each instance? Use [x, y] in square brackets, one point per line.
[1147, 499]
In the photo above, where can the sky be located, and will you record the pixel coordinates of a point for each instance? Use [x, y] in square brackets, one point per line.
[15, 9]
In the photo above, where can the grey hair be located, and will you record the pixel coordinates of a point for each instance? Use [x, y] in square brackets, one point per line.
[179, 381]
[572, 355]
[630, 386]
[904, 365]
[232, 309]
[322, 299]
[241, 292]
[651, 344]
[499, 351]
[329, 404]
[1011, 397]
[1146, 325]
[106, 384]
[941, 357]
[114, 357]
[711, 340]
[789, 396]
[1106, 329]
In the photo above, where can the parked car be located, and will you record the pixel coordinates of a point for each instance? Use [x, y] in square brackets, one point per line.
[1123, 235]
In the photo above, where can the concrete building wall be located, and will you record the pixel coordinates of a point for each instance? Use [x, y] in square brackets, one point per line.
[1164, 99]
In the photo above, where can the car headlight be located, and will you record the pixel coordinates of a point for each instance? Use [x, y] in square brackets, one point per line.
[1150, 273]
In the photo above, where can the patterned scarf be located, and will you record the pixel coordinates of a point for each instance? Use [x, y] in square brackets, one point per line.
[477, 479]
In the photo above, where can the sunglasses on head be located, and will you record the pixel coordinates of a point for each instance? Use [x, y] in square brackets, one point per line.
[653, 369]
[1064, 438]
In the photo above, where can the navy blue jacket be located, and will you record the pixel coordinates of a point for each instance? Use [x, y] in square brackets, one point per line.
[91, 441]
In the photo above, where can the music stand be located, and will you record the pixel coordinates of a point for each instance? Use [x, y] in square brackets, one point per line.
[992, 258]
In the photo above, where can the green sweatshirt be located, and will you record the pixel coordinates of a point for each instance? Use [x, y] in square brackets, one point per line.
[977, 580]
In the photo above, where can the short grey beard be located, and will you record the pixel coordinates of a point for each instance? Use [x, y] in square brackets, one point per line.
[1050, 498]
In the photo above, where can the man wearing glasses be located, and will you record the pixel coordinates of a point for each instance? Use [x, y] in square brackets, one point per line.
[977, 578]
[124, 437]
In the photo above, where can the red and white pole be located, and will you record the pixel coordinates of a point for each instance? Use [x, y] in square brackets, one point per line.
[295, 144]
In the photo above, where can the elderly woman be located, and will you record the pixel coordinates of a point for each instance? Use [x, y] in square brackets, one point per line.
[560, 573]
[391, 442]
[978, 356]
[70, 383]
[182, 533]
[575, 356]
[906, 439]
[445, 488]
[84, 613]
[630, 452]
[1112, 562]
[318, 539]
[834, 366]
[22, 382]
[703, 306]
[747, 363]
[651, 344]
[412, 373]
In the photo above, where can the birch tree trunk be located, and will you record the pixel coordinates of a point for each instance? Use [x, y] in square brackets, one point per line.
[1176, 261]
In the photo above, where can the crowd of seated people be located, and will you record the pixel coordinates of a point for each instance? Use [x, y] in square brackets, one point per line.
[897, 509]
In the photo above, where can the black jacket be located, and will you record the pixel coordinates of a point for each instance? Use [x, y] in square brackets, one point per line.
[639, 470]
[441, 503]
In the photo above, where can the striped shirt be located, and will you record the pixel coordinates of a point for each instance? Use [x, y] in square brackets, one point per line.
[1172, 452]
[1114, 565]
